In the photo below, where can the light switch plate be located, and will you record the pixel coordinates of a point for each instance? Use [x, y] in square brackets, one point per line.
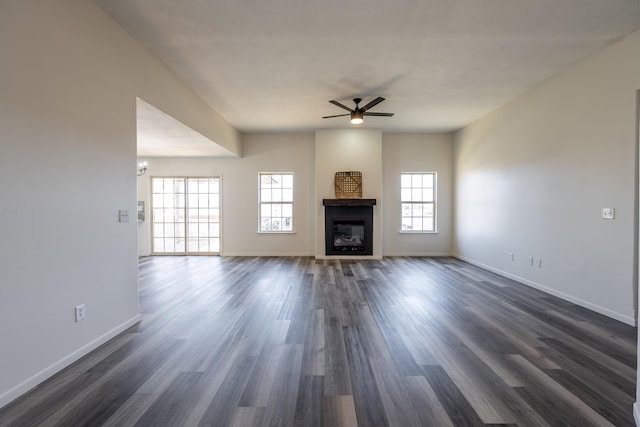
[81, 312]
[123, 215]
[608, 213]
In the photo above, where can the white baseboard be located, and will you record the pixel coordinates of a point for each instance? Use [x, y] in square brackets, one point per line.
[636, 413]
[417, 254]
[263, 254]
[49, 371]
[294, 254]
[586, 304]
[354, 257]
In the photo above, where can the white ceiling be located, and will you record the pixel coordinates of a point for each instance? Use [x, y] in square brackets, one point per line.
[272, 65]
[160, 135]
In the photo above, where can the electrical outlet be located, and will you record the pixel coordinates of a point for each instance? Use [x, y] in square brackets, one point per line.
[511, 257]
[530, 261]
[608, 213]
[539, 262]
[80, 312]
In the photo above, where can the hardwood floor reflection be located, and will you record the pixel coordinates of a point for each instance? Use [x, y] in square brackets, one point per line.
[295, 341]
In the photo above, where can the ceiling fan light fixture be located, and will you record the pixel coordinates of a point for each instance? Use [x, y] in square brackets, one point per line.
[357, 114]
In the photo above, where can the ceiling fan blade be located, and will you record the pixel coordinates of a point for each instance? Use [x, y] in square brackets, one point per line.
[340, 105]
[337, 115]
[379, 114]
[373, 103]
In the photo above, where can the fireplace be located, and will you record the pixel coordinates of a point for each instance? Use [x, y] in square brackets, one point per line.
[348, 235]
[348, 226]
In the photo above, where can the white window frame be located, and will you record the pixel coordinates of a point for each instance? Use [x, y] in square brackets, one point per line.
[417, 199]
[263, 202]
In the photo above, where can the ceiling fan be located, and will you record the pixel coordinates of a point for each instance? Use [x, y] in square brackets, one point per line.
[358, 112]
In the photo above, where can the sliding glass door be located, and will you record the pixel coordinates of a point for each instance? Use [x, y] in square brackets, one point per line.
[203, 206]
[185, 215]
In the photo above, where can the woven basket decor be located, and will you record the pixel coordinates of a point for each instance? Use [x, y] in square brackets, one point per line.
[348, 185]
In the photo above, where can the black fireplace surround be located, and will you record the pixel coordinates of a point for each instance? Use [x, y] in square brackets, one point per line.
[348, 226]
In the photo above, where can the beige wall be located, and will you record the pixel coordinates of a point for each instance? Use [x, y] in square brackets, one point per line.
[68, 86]
[262, 153]
[341, 150]
[417, 152]
[297, 153]
[533, 176]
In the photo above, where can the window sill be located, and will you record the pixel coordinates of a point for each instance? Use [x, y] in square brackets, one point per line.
[417, 232]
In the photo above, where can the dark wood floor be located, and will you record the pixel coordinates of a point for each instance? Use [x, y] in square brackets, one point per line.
[295, 341]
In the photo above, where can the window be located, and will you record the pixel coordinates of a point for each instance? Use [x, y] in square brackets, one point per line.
[276, 202]
[418, 198]
[186, 215]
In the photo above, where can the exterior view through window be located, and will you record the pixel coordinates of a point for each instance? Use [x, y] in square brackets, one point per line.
[276, 202]
[418, 199]
[186, 215]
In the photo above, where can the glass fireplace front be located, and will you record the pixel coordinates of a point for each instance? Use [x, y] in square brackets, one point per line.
[348, 236]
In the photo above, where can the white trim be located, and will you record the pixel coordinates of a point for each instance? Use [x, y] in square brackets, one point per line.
[636, 413]
[290, 254]
[260, 203]
[418, 254]
[593, 307]
[355, 257]
[265, 254]
[434, 202]
[49, 371]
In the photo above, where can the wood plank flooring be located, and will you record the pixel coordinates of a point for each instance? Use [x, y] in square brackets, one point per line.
[295, 341]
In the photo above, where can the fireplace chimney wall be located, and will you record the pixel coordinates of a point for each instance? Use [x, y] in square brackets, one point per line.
[340, 150]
